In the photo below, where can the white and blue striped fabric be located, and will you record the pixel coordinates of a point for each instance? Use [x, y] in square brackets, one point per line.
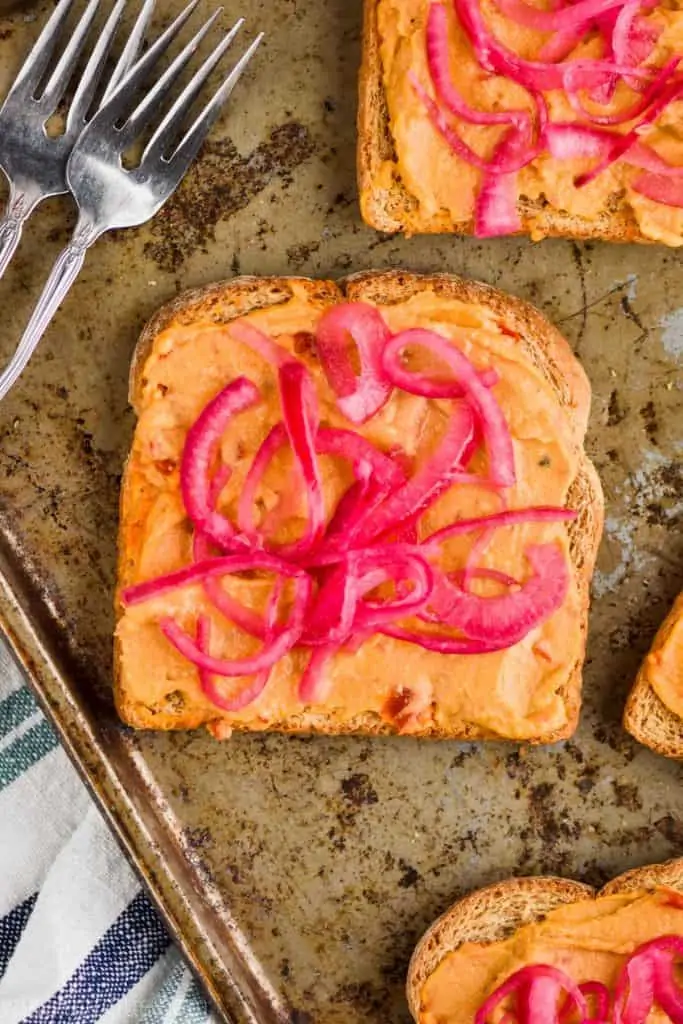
[79, 940]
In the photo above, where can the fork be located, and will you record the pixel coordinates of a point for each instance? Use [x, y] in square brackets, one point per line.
[33, 161]
[107, 194]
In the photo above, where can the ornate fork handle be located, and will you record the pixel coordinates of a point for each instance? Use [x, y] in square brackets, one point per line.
[63, 275]
[20, 206]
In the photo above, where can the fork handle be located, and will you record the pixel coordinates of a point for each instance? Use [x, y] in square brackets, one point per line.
[20, 205]
[63, 275]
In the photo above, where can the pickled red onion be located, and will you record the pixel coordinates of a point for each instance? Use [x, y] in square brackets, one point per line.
[458, 145]
[259, 342]
[200, 448]
[538, 988]
[358, 397]
[431, 478]
[510, 517]
[438, 61]
[582, 12]
[274, 648]
[494, 428]
[302, 418]
[229, 607]
[244, 697]
[509, 617]
[274, 440]
[495, 210]
[660, 188]
[574, 71]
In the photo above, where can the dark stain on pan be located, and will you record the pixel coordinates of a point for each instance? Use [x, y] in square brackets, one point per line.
[221, 183]
[648, 414]
[615, 412]
[358, 790]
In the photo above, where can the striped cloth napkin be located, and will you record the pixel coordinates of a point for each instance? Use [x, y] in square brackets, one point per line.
[79, 940]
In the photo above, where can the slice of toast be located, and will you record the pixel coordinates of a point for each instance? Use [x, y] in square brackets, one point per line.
[494, 913]
[647, 717]
[150, 694]
[389, 204]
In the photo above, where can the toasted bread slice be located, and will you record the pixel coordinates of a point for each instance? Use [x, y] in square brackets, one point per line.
[387, 203]
[647, 717]
[146, 702]
[497, 911]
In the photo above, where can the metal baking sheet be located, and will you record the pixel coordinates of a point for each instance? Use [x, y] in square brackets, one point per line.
[298, 873]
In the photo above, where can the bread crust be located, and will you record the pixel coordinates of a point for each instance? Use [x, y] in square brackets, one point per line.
[495, 912]
[646, 717]
[544, 345]
[393, 209]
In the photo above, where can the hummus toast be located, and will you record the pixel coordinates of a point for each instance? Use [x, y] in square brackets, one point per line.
[494, 117]
[654, 710]
[562, 932]
[471, 677]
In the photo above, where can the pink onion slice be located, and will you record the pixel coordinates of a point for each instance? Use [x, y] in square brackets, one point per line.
[390, 565]
[430, 480]
[562, 43]
[493, 424]
[259, 342]
[229, 607]
[442, 643]
[566, 18]
[438, 59]
[358, 397]
[660, 188]
[315, 685]
[459, 147]
[498, 59]
[671, 92]
[245, 696]
[668, 991]
[302, 419]
[200, 448]
[640, 155]
[274, 440]
[575, 70]
[224, 565]
[538, 987]
[634, 991]
[510, 517]
[567, 140]
[509, 617]
[274, 648]
[495, 209]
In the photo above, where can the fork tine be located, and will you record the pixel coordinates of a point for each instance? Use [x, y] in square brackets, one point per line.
[162, 138]
[85, 92]
[61, 76]
[150, 104]
[39, 57]
[120, 100]
[130, 50]
[195, 135]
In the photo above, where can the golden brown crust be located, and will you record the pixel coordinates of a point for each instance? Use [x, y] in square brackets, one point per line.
[544, 345]
[495, 912]
[393, 209]
[646, 716]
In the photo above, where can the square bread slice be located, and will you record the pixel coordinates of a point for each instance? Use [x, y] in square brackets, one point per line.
[411, 181]
[186, 354]
[496, 912]
[654, 710]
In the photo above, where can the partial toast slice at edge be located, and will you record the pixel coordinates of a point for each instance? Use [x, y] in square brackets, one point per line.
[495, 912]
[545, 346]
[387, 208]
[646, 717]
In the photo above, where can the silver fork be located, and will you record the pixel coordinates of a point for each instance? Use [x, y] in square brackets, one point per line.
[33, 161]
[108, 195]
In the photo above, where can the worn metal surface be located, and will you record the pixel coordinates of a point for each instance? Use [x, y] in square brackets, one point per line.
[303, 870]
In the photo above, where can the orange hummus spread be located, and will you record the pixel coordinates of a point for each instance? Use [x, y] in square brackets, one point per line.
[513, 692]
[589, 941]
[663, 667]
[445, 187]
